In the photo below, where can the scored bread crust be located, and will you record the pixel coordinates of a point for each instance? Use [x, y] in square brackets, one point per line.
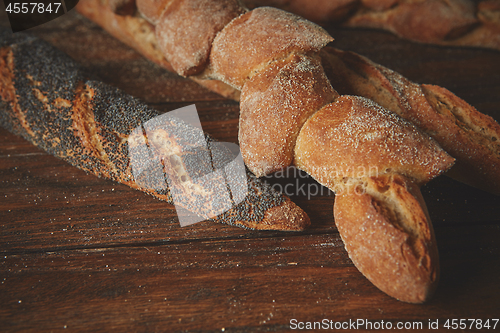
[152, 10]
[388, 234]
[472, 136]
[176, 27]
[472, 23]
[253, 49]
[356, 138]
[46, 98]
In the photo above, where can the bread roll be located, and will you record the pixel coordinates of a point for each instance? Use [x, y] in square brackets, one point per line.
[259, 37]
[274, 105]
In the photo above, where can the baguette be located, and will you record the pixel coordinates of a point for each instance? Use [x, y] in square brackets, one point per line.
[48, 100]
[471, 137]
[277, 68]
[441, 22]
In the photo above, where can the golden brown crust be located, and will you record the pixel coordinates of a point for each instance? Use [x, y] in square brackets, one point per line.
[356, 138]
[472, 138]
[389, 237]
[8, 92]
[123, 7]
[287, 215]
[429, 21]
[466, 134]
[246, 45]
[186, 43]
[314, 10]
[350, 144]
[275, 103]
[135, 31]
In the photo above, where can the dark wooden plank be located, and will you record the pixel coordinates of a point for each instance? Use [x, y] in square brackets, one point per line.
[247, 284]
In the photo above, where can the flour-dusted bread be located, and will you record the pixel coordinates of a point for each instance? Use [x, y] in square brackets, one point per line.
[152, 10]
[259, 37]
[274, 105]
[471, 137]
[468, 23]
[186, 43]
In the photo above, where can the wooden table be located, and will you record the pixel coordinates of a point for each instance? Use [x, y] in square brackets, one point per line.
[80, 253]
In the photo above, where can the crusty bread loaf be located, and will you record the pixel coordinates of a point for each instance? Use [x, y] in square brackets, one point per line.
[152, 10]
[356, 138]
[246, 45]
[375, 162]
[430, 21]
[349, 74]
[284, 86]
[176, 27]
[271, 56]
[139, 33]
[123, 7]
[466, 134]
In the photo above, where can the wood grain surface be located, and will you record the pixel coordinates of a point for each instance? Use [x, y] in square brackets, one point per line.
[83, 254]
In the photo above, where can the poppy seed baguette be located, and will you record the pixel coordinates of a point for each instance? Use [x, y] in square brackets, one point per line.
[48, 100]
